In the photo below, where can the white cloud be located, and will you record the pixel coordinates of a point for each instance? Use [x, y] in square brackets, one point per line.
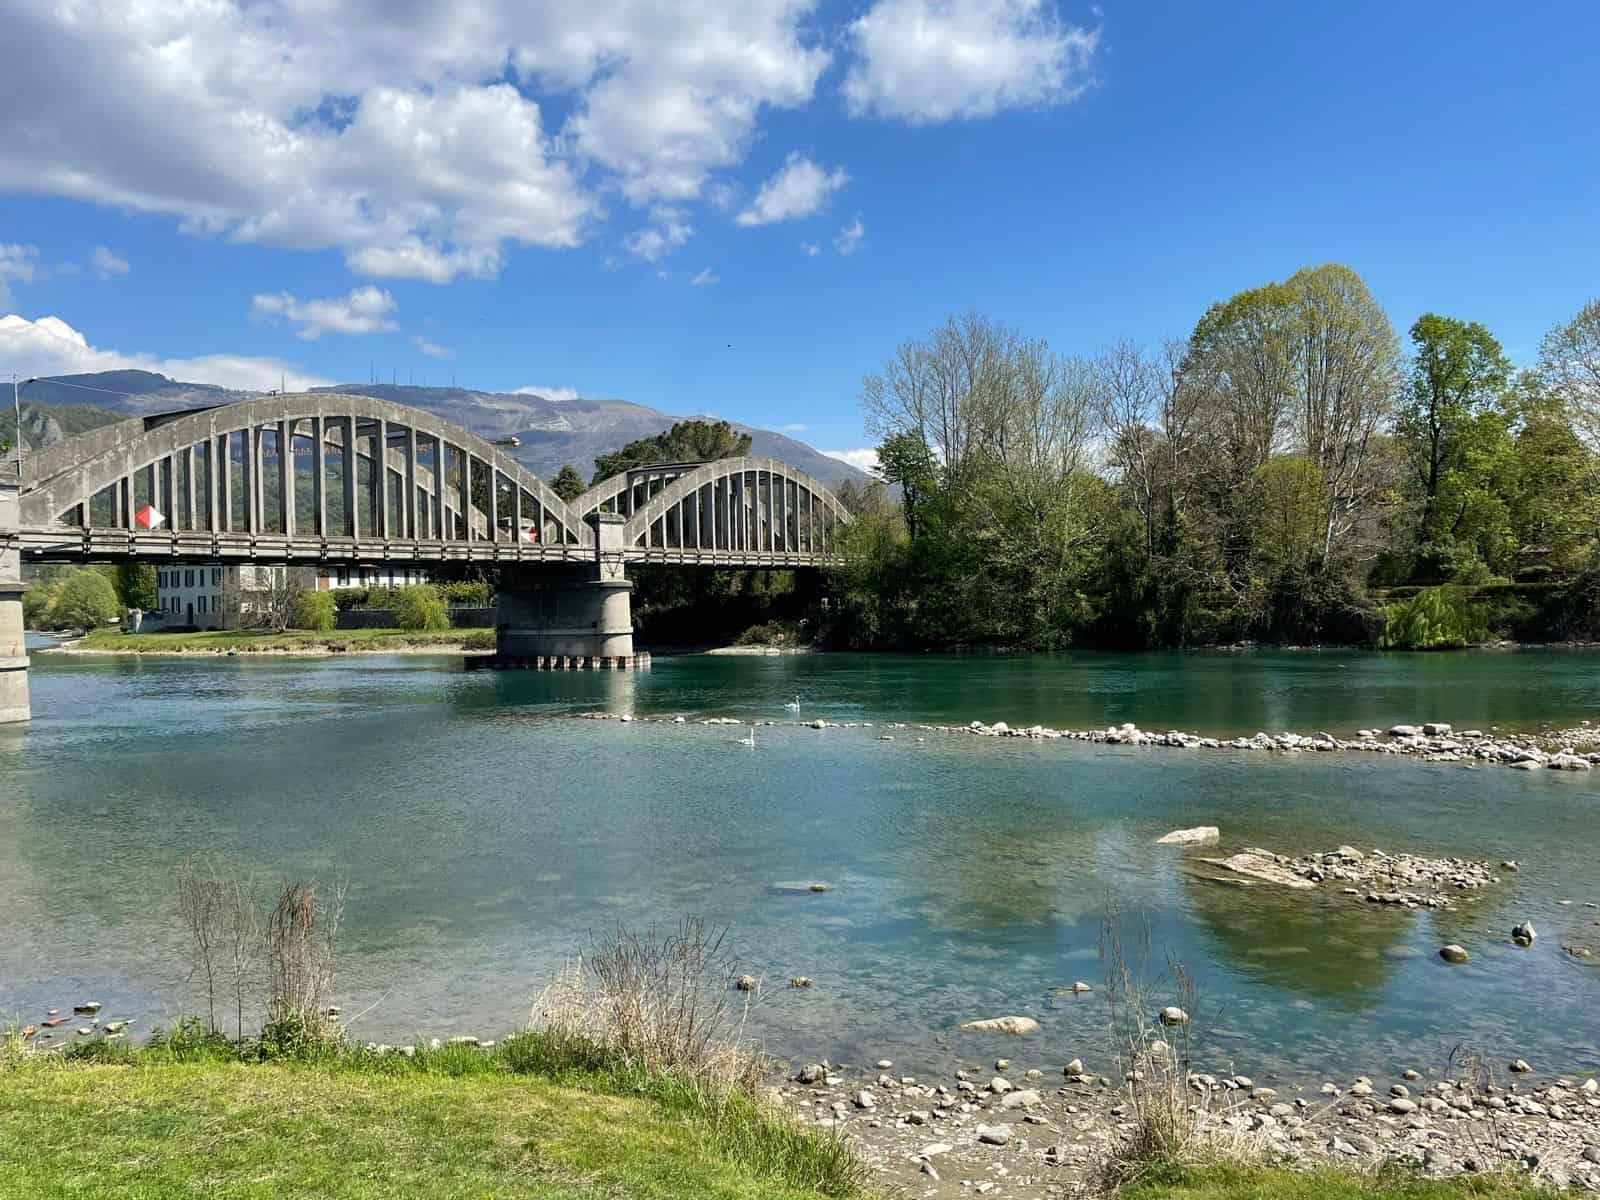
[557, 394]
[848, 240]
[392, 135]
[810, 249]
[49, 346]
[431, 349]
[18, 264]
[671, 229]
[706, 277]
[926, 61]
[862, 460]
[799, 189]
[108, 262]
[797, 427]
[365, 310]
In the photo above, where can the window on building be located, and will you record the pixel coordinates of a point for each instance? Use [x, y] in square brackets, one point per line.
[216, 576]
[202, 605]
[188, 578]
[344, 576]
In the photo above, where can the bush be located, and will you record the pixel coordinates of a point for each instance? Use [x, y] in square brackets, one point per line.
[85, 601]
[421, 608]
[1436, 618]
[467, 593]
[314, 611]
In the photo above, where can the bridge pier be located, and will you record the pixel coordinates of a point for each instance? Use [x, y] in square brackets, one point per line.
[562, 620]
[14, 705]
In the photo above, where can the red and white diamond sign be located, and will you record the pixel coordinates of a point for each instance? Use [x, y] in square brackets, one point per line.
[531, 533]
[149, 516]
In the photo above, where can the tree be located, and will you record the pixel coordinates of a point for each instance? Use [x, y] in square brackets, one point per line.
[904, 459]
[86, 600]
[1569, 360]
[136, 585]
[567, 484]
[1458, 370]
[687, 441]
[420, 607]
[1285, 501]
[313, 610]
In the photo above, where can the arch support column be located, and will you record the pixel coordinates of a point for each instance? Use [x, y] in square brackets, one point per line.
[561, 619]
[14, 704]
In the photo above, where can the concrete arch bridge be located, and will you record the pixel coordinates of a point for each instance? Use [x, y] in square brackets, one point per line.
[328, 478]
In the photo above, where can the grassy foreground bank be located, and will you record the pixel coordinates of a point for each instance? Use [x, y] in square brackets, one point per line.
[527, 1119]
[291, 641]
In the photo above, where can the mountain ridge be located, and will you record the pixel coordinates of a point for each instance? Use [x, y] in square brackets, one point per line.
[551, 432]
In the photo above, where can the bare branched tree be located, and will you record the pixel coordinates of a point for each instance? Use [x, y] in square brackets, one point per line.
[200, 906]
[1569, 361]
[302, 943]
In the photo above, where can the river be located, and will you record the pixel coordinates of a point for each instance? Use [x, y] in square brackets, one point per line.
[486, 834]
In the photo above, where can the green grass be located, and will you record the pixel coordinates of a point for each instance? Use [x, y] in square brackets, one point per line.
[1268, 1183]
[247, 641]
[530, 1119]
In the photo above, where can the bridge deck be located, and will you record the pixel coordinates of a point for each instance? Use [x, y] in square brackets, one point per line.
[59, 544]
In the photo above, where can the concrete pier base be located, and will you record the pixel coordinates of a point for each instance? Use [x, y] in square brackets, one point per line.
[14, 703]
[569, 621]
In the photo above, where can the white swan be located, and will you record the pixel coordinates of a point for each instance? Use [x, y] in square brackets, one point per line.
[751, 740]
[794, 705]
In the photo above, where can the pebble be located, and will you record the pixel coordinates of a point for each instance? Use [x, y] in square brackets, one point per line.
[994, 1135]
[1454, 953]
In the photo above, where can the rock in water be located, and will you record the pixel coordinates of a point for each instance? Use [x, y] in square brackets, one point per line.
[1454, 953]
[1265, 866]
[1015, 1026]
[1197, 836]
[745, 983]
[1173, 1015]
[1524, 934]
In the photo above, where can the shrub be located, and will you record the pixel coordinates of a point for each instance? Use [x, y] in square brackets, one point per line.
[661, 1003]
[302, 942]
[313, 610]
[467, 593]
[1436, 618]
[86, 601]
[421, 608]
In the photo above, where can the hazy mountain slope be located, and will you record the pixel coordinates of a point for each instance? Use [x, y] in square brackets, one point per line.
[552, 432]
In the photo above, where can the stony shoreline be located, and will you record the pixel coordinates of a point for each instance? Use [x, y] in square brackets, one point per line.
[1576, 749]
[1024, 1127]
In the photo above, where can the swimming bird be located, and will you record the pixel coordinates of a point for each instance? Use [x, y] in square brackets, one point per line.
[794, 705]
[751, 740]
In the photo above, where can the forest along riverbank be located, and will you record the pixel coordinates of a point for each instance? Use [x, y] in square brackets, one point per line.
[1576, 749]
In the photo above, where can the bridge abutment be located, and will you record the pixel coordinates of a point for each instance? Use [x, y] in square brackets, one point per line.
[14, 703]
[568, 620]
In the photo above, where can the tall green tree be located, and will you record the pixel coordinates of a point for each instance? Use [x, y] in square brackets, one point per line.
[136, 585]
[1458, 371]
[905, 459]
[567, 484]
[687, 441]
[1569, 360]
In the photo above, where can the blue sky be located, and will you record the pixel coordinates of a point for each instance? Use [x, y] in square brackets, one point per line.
[742, 209]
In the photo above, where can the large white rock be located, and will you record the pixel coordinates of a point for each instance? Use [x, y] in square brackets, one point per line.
[1197, 836]
[1015, 1026]
[1262, 865]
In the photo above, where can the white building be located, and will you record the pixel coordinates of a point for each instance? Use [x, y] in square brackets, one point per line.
[208, 596]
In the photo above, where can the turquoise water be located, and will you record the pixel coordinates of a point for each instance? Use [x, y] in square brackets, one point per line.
[486, 835]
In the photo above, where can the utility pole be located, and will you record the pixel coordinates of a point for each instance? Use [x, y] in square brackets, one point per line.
[16, 404]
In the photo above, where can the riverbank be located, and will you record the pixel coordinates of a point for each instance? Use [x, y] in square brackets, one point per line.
[458, 1121]
[292, 642]
[529, 1117]
[1024, 1126]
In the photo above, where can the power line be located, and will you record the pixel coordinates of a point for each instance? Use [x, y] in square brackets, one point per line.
[82, 387]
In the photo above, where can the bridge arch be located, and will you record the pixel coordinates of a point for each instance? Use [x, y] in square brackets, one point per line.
[225, 470]
[738, 508]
